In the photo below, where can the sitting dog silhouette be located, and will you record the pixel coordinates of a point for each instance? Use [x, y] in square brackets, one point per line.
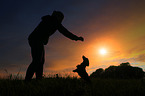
[81, 69]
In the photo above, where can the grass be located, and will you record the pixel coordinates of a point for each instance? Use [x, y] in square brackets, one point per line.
[72, 87]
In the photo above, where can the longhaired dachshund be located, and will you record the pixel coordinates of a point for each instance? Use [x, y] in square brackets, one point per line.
[81, 69]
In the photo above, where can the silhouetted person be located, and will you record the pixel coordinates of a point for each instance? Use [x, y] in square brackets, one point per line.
[40, 36]
[81, 69]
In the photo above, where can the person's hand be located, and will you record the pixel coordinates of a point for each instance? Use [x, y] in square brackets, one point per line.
[81, 38]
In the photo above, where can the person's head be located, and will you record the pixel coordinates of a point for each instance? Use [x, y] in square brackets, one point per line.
[59, 15]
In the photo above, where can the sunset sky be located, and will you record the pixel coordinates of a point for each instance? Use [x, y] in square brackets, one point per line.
[117, 26]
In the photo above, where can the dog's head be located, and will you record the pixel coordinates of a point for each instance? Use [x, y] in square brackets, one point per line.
[85, 61]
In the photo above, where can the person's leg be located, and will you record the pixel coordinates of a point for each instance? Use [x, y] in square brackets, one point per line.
[37, 53]
[39, 69]
[30, 72]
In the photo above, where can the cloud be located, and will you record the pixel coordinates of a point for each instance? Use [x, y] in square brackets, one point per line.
[140, 58]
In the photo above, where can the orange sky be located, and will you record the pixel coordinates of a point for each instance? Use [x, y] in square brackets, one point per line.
[121, 31]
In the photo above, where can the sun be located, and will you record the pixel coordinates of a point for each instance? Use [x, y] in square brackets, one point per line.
[103, 51]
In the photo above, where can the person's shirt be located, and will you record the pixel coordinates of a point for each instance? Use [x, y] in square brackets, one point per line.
[47, 27]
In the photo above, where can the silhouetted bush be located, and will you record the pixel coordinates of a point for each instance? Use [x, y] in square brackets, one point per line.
[97, 73]
[123, 71]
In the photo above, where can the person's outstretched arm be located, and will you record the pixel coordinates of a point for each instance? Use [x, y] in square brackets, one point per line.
[68, 34]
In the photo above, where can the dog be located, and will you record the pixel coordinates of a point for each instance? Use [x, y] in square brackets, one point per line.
[81, 69]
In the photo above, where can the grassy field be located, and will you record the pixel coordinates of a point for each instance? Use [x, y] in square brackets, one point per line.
[72, 87]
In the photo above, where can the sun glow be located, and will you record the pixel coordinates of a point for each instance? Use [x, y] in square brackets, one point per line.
[102, 51]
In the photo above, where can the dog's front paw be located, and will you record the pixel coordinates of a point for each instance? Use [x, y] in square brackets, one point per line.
[75, 70]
